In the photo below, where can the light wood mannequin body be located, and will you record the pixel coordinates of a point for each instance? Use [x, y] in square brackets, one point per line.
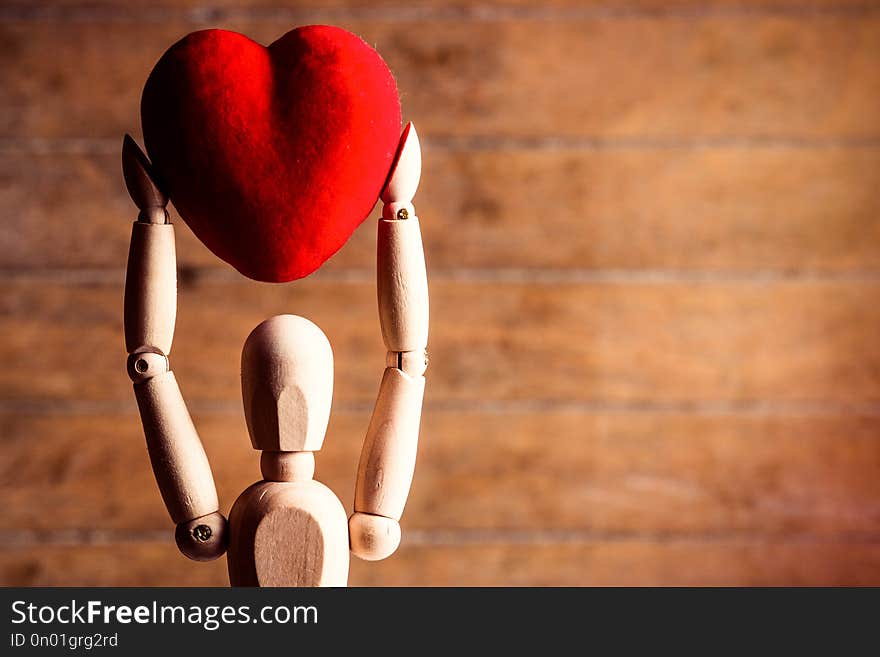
[290, 533]
[287, 529]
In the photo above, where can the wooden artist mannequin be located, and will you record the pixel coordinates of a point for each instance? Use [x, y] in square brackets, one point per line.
[287, 529]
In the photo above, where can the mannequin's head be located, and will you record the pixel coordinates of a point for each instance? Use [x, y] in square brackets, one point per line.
[287, 384]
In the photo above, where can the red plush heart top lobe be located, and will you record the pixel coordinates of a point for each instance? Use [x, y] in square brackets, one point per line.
[273, 156]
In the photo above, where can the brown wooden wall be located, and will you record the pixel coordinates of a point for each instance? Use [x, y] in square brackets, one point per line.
[653, 232]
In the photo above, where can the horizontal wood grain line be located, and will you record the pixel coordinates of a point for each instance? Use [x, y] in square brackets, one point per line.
[482, 143]
[675, 343]
[17, 539]
[208, 12]
[532, 477]
[592, 564]
[709, 408]
[564, 143]
[540, 276]
[709, 78]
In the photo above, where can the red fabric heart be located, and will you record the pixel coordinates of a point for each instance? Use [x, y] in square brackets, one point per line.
[273, 156]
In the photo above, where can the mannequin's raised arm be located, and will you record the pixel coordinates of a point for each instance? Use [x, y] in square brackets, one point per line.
[388, 458]
[178, 458]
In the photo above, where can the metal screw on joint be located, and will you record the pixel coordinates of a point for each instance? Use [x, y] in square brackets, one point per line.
[402, 214]
[202, 533]
[141, 365]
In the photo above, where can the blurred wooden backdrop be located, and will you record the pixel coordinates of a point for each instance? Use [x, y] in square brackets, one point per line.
[653, 231]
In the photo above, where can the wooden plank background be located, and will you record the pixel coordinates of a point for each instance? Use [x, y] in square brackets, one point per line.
[653, 233]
